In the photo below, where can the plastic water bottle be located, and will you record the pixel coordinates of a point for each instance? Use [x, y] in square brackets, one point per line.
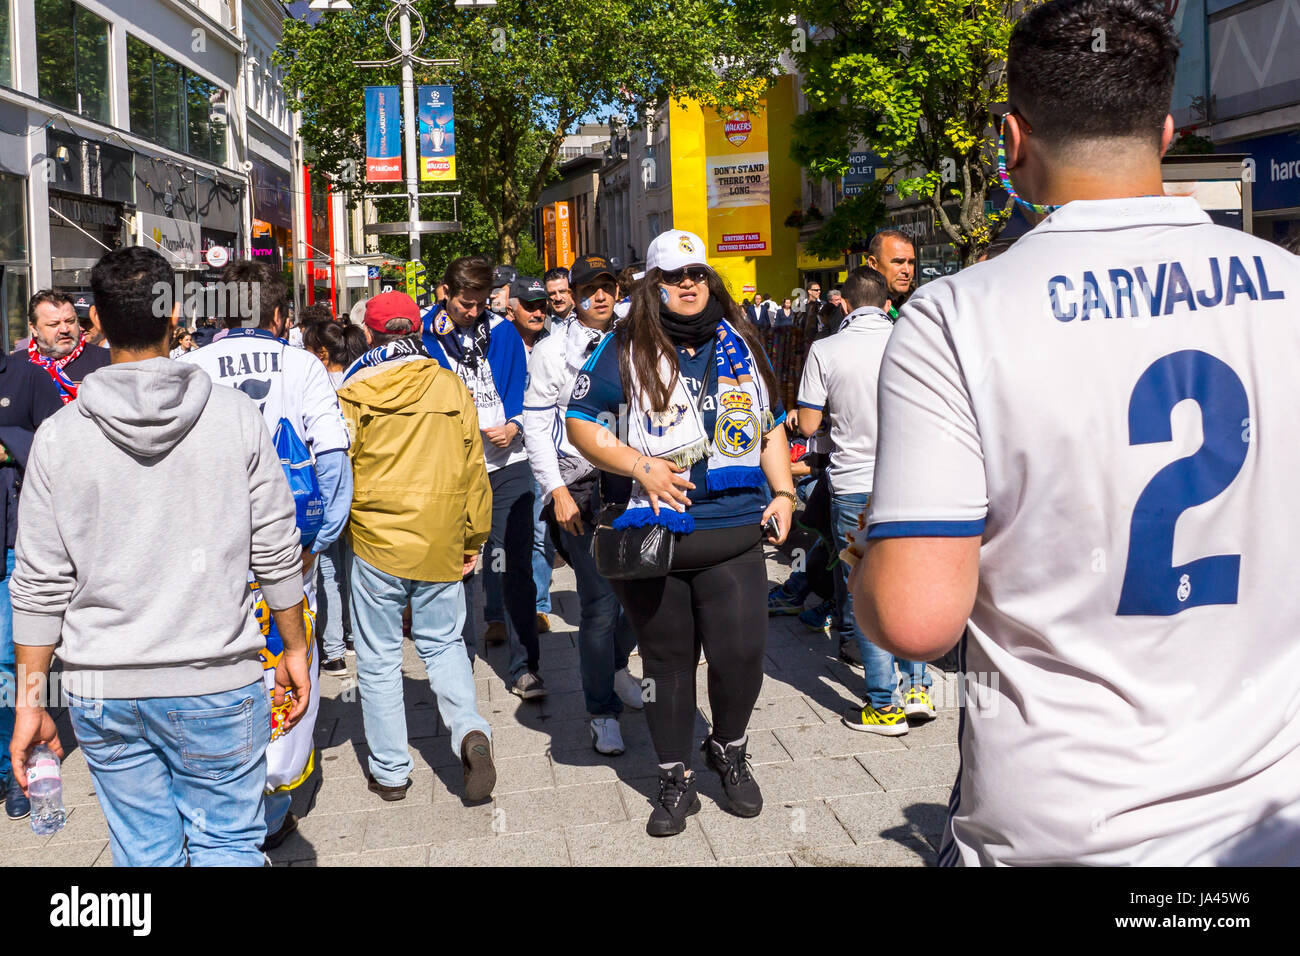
[45, 790]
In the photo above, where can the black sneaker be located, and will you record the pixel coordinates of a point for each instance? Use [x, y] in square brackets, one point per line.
[387, 792]
[289, 825]
[480, 772]
[738, 783]
[677, 800]
[336, 666]
[17, 806]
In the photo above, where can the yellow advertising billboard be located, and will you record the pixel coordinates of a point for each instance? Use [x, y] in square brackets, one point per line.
[548, 235]
[738, 183]
[564, 253]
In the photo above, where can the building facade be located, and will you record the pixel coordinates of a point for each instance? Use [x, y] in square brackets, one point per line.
[128, 122]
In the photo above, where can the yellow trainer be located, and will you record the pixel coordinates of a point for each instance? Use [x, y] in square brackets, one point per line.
[918, 705]
[887, 721]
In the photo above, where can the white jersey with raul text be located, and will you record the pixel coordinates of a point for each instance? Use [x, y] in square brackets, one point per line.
[1113, 406]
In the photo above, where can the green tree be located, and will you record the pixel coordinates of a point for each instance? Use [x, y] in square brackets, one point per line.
[915, 82]
[528, 72]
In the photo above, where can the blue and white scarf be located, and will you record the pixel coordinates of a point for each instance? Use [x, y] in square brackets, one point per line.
[398, 350]
[467, 351]
[744, 416]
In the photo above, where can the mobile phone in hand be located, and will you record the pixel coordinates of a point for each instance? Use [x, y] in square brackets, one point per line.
[772, 528]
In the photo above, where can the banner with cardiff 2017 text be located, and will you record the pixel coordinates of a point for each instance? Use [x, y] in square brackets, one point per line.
[437, 122]
[383, 134]
[739, 185]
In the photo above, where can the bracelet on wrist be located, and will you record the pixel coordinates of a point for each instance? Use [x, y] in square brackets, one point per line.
[794, 500]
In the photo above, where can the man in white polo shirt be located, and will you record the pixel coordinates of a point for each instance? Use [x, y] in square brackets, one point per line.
[1085, 449]
[839, 381]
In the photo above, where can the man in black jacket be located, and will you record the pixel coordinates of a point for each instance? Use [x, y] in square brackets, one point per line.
[27, 398]
[57, 344]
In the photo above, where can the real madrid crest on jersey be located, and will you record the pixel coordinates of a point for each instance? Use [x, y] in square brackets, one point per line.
[737, 427]
[442, 323]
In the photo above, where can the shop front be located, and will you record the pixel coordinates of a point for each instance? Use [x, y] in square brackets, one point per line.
[92, 199]
[82, 230]
[1270, 165]
[15, 266]
[272, 239]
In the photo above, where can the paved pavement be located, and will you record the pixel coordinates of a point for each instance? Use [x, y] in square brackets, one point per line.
[832, 796]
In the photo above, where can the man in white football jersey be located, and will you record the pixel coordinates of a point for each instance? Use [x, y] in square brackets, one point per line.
[1086, 449]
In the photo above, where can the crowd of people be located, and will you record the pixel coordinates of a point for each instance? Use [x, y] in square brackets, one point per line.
[960, 466]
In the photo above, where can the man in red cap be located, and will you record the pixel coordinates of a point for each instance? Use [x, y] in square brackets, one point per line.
[422, 509]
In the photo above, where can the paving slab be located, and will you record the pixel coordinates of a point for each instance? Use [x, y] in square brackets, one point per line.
[833, 797]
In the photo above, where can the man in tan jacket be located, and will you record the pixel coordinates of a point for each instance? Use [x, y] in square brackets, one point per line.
[421, 509]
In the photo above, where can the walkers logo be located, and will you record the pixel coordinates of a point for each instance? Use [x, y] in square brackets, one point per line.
[737, 427]
[736, 127]
[76, 909]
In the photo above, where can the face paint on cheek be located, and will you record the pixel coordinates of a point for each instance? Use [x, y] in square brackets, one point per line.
[585, 305]
[663, 295]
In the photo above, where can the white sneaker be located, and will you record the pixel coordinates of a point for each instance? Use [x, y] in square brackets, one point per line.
[606, 737]
[628, 689]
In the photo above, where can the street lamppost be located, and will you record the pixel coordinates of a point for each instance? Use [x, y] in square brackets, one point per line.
[403, 11]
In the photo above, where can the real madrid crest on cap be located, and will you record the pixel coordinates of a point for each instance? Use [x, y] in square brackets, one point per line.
[684, 244]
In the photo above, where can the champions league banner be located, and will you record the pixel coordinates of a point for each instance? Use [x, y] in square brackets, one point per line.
[383, 134]
[437, 122]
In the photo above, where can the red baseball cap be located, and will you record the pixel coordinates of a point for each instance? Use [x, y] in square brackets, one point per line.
[391, 305]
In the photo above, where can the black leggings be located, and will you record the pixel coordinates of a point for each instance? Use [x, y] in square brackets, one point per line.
[718, 601]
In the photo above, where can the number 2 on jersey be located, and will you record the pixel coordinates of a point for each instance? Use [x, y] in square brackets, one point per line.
[1151, 584]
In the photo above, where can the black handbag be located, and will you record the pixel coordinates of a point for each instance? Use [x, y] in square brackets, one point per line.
[625, 554]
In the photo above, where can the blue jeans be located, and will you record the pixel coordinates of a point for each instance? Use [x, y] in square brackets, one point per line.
[437, 615]
[605, 638]
[179, 776]
[543, 554]
[8, 680]
[333, 615]
[543, 558]
[877, 665]
[508, 553]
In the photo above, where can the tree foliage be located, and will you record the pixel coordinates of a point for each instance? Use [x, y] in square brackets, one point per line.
[528, 72]
[914, 82]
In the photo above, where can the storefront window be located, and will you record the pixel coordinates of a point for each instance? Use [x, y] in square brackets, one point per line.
[13, 258]
[139, 71]
[171, 105]
[72, 58]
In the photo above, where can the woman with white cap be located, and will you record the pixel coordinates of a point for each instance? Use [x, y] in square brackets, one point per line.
[708, 457]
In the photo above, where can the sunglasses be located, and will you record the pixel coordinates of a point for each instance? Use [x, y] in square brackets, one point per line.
[697, 274]
[1003, 177]
[604, 285]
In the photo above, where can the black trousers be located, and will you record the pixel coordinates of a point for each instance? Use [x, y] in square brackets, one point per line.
[714, 599]
[510, 550]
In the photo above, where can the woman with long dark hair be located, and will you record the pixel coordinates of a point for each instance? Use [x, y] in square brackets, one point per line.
[685, 377]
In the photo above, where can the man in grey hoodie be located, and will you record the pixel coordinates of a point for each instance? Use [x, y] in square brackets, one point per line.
[143, 595]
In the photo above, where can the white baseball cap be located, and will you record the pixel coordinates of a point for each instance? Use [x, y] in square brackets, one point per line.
[676, 249]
